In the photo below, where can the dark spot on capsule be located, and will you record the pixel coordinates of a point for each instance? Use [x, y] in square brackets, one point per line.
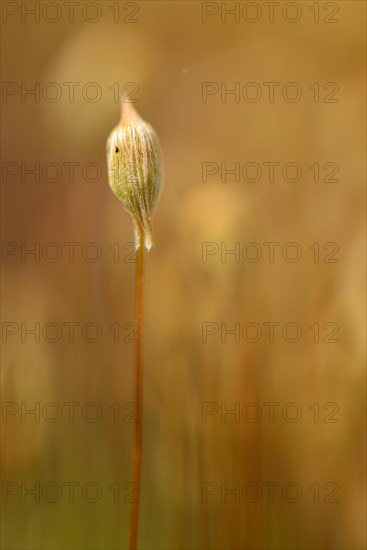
[116, 149]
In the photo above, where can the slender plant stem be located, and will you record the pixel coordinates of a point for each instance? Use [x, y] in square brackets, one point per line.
[138, 435]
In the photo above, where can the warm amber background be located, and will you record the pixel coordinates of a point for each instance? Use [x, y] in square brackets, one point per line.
[169, 53]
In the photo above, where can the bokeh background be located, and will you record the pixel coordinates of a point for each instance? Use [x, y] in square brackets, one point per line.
[167, 55]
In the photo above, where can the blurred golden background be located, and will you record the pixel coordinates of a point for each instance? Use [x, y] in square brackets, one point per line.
[163, 55]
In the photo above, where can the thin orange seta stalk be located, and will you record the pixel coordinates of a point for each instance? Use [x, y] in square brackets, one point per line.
[138, 434]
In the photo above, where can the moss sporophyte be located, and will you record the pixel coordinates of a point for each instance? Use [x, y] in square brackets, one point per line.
[135, 177]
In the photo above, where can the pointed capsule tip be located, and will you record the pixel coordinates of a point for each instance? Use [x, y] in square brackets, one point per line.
[128, 113]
